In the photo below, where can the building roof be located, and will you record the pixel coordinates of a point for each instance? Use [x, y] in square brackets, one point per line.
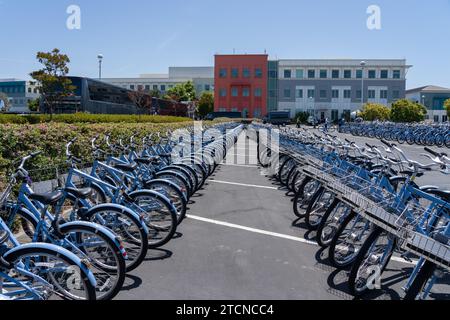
[430, 88]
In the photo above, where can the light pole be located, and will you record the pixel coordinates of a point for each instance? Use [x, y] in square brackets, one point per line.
[363, 65]
[100, 59]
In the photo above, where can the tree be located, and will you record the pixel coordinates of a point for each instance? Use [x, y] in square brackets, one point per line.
[52, 79]
[33, 104]
[182, 92]
[375, 111]
[301, 117]
[205, 104]
[447, 106]
[155, 93]
[141, 99]
[5, 104]
[407, 111]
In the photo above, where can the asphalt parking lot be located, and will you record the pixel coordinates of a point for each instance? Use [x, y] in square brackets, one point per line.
[241, 242]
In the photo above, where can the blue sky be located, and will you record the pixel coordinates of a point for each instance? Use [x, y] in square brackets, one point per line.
[148, 36]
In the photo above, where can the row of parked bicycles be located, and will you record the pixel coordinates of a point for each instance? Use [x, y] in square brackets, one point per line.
[366, 208]
[79, 240]
[419, 134]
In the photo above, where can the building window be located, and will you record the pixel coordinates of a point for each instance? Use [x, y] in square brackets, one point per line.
[29, 90]
[258, 92]
[155, 87]
[234, 92]
[371, 94]
[234, 109]
[323, 74]
[287, 93]
[384, 74]
[299, 93]
[335, 94]
[222, 109]
[334, 115]
[396, 94]
[299, 73]
[311, 74]
[359, 74]
[235, 73]
[287, 74]
[347, 74]
[396, 74]
[273, 74]
[222, 73]
[272, 93]
[132, 86]
[311, 93]
[163, 87]
[246, 73]
[246, 92]
[223, 92]
[207, 87]
[147, 87]
[335, 74]
[347, 94]
[258, 73]
[323, 94]
[383, 94]
[372, 74]
[358, 94]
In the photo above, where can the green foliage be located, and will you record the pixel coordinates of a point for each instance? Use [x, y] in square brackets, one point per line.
[182, 92]
[155, 93]
[301, 117]
[52, 79]
[33, 105]
[206, 104]
[407, 111]
[447, 106]
[88, 118]
[375, 111]
[6, 103]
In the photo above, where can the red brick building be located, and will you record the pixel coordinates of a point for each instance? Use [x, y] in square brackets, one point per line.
[240, 83]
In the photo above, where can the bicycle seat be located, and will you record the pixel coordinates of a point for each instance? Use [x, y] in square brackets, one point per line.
[126, 167]
[79, 193]
[47, 198]
[4, 236]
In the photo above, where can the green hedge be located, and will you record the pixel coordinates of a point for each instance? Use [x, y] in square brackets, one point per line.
[17, 140]
[87, 118]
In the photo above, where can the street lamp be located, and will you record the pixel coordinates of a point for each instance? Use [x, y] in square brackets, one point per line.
[100, 59]
[363, 65]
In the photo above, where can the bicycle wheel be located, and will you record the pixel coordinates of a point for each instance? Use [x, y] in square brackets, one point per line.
[348, 240]
[302, 198]
[177, 179]
[127, 225]
[172, 192]
[319, 204]
[420, 281]
[159, 215]
[331, 222]
[103, 254]
[51, 272]
[373, 257]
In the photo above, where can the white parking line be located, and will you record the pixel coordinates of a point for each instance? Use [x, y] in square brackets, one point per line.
[273, 234]
[239, 165]
[243, 184]
[259, 231]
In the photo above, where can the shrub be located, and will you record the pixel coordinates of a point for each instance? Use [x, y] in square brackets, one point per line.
[88, 118]
[375, 111]
[407, 111]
